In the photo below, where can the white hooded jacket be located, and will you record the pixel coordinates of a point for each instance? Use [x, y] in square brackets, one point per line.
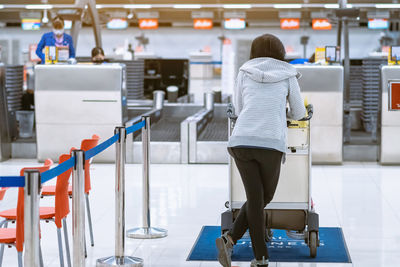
[263, 88]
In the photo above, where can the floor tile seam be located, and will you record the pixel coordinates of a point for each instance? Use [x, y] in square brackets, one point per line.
[333, 200]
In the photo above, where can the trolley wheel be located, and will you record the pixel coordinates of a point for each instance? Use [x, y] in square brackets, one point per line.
[268, 235]
[313, 244]
[227, 204]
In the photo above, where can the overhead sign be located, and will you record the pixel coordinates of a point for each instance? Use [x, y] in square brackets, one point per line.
[321, 24]
[378, 24]
[394, 95]
[290, 24]
[235, 24]
[203, 24]
[148, 24]
[30, 24]
[117, 24]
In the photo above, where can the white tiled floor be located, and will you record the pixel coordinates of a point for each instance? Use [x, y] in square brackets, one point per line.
[363, 199]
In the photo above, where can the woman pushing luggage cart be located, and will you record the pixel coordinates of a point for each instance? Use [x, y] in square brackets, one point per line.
[259, 143]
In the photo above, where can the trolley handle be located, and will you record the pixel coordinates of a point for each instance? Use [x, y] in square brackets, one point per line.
[310, 111]
[231, 112]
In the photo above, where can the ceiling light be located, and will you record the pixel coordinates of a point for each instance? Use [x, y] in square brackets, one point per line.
[38, 6]
[1, 6]
[99, 6]
[331, 5]
[287, 6]
[349, 6]
[238, 6]
[130, 15]
[137, 6]
[188, 6]
[387, 5]
[45, 19]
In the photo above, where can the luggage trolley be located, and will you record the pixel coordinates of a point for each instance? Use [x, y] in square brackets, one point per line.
[291, 208]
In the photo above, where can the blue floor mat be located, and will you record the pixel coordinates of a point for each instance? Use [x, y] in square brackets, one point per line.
[281, 248]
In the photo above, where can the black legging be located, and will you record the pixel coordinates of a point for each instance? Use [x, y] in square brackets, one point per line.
[259, 169]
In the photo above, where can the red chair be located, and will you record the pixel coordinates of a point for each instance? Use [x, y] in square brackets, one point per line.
[15, 236]
[86, 145]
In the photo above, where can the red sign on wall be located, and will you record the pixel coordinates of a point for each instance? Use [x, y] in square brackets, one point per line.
[148, 24]
[394, 96]
[203, 24]
[290, 24]
[321, 24]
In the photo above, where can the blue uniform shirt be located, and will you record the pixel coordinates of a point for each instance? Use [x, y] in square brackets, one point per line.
[48, 39]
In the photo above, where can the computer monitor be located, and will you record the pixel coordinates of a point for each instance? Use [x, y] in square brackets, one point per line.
[332, 54]
[395, 53]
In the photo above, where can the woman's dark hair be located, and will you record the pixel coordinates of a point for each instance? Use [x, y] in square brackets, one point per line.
[97, 51]
[58, 22]
[267, 45]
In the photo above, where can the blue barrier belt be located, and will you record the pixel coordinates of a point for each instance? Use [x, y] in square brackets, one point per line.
[19, 181]
[54, 172]
[135, 127]
[12, 181]
[100, 148]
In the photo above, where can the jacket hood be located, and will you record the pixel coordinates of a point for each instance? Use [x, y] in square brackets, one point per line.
[268, 70]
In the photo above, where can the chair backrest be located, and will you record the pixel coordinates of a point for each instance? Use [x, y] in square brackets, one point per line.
[61, 195]
[86, 145]
[20, 207]
[2, 192]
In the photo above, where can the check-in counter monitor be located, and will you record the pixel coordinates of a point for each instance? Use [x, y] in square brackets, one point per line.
[323, 87]
[390, 115]
[73, 102]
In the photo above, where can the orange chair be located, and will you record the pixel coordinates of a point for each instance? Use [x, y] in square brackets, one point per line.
[86, 145]
[15, 236]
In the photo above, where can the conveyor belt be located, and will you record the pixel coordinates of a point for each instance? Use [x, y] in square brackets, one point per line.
[165, 130]
[216, 130]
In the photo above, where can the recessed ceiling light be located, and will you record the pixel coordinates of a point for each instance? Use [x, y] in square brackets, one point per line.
[238, 6]
[187, 6]
[38, 6]
[287, 6]
[387, 5]
[133, 6]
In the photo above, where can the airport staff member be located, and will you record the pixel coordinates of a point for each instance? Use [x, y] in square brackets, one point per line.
[264, 85]
[98, 55]
[55, 38]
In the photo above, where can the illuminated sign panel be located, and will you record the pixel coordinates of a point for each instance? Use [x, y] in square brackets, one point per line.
[235, 24]
[394, 96]
[148, 24]
[117, 24]
[30, 24]
[380, 24]
[321, 24]
[203, 24]
[290, 24]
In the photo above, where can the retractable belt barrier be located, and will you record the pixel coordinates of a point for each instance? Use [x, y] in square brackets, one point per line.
[33, 179]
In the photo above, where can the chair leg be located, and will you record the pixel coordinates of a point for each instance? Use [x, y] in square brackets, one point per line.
[19, 259]
[66, 242]
[5, 224]
[60, 248]
[89, 219]
[41, 255]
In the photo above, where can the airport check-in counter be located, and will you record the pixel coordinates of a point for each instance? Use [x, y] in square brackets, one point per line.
[73, 102]
[390, 119]
[323, 87]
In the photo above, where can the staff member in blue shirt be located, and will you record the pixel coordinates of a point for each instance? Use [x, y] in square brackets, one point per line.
[55, 38]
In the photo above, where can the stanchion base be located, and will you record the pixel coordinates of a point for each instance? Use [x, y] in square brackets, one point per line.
[146, 233]
[119, 261]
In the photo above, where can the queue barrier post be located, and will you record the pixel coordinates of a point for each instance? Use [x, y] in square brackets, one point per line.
[78, 208]
[119, 259]
[146, 232]
[31, 218]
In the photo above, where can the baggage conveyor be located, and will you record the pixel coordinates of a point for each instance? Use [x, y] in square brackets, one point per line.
[168, 135]
[208, 133]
